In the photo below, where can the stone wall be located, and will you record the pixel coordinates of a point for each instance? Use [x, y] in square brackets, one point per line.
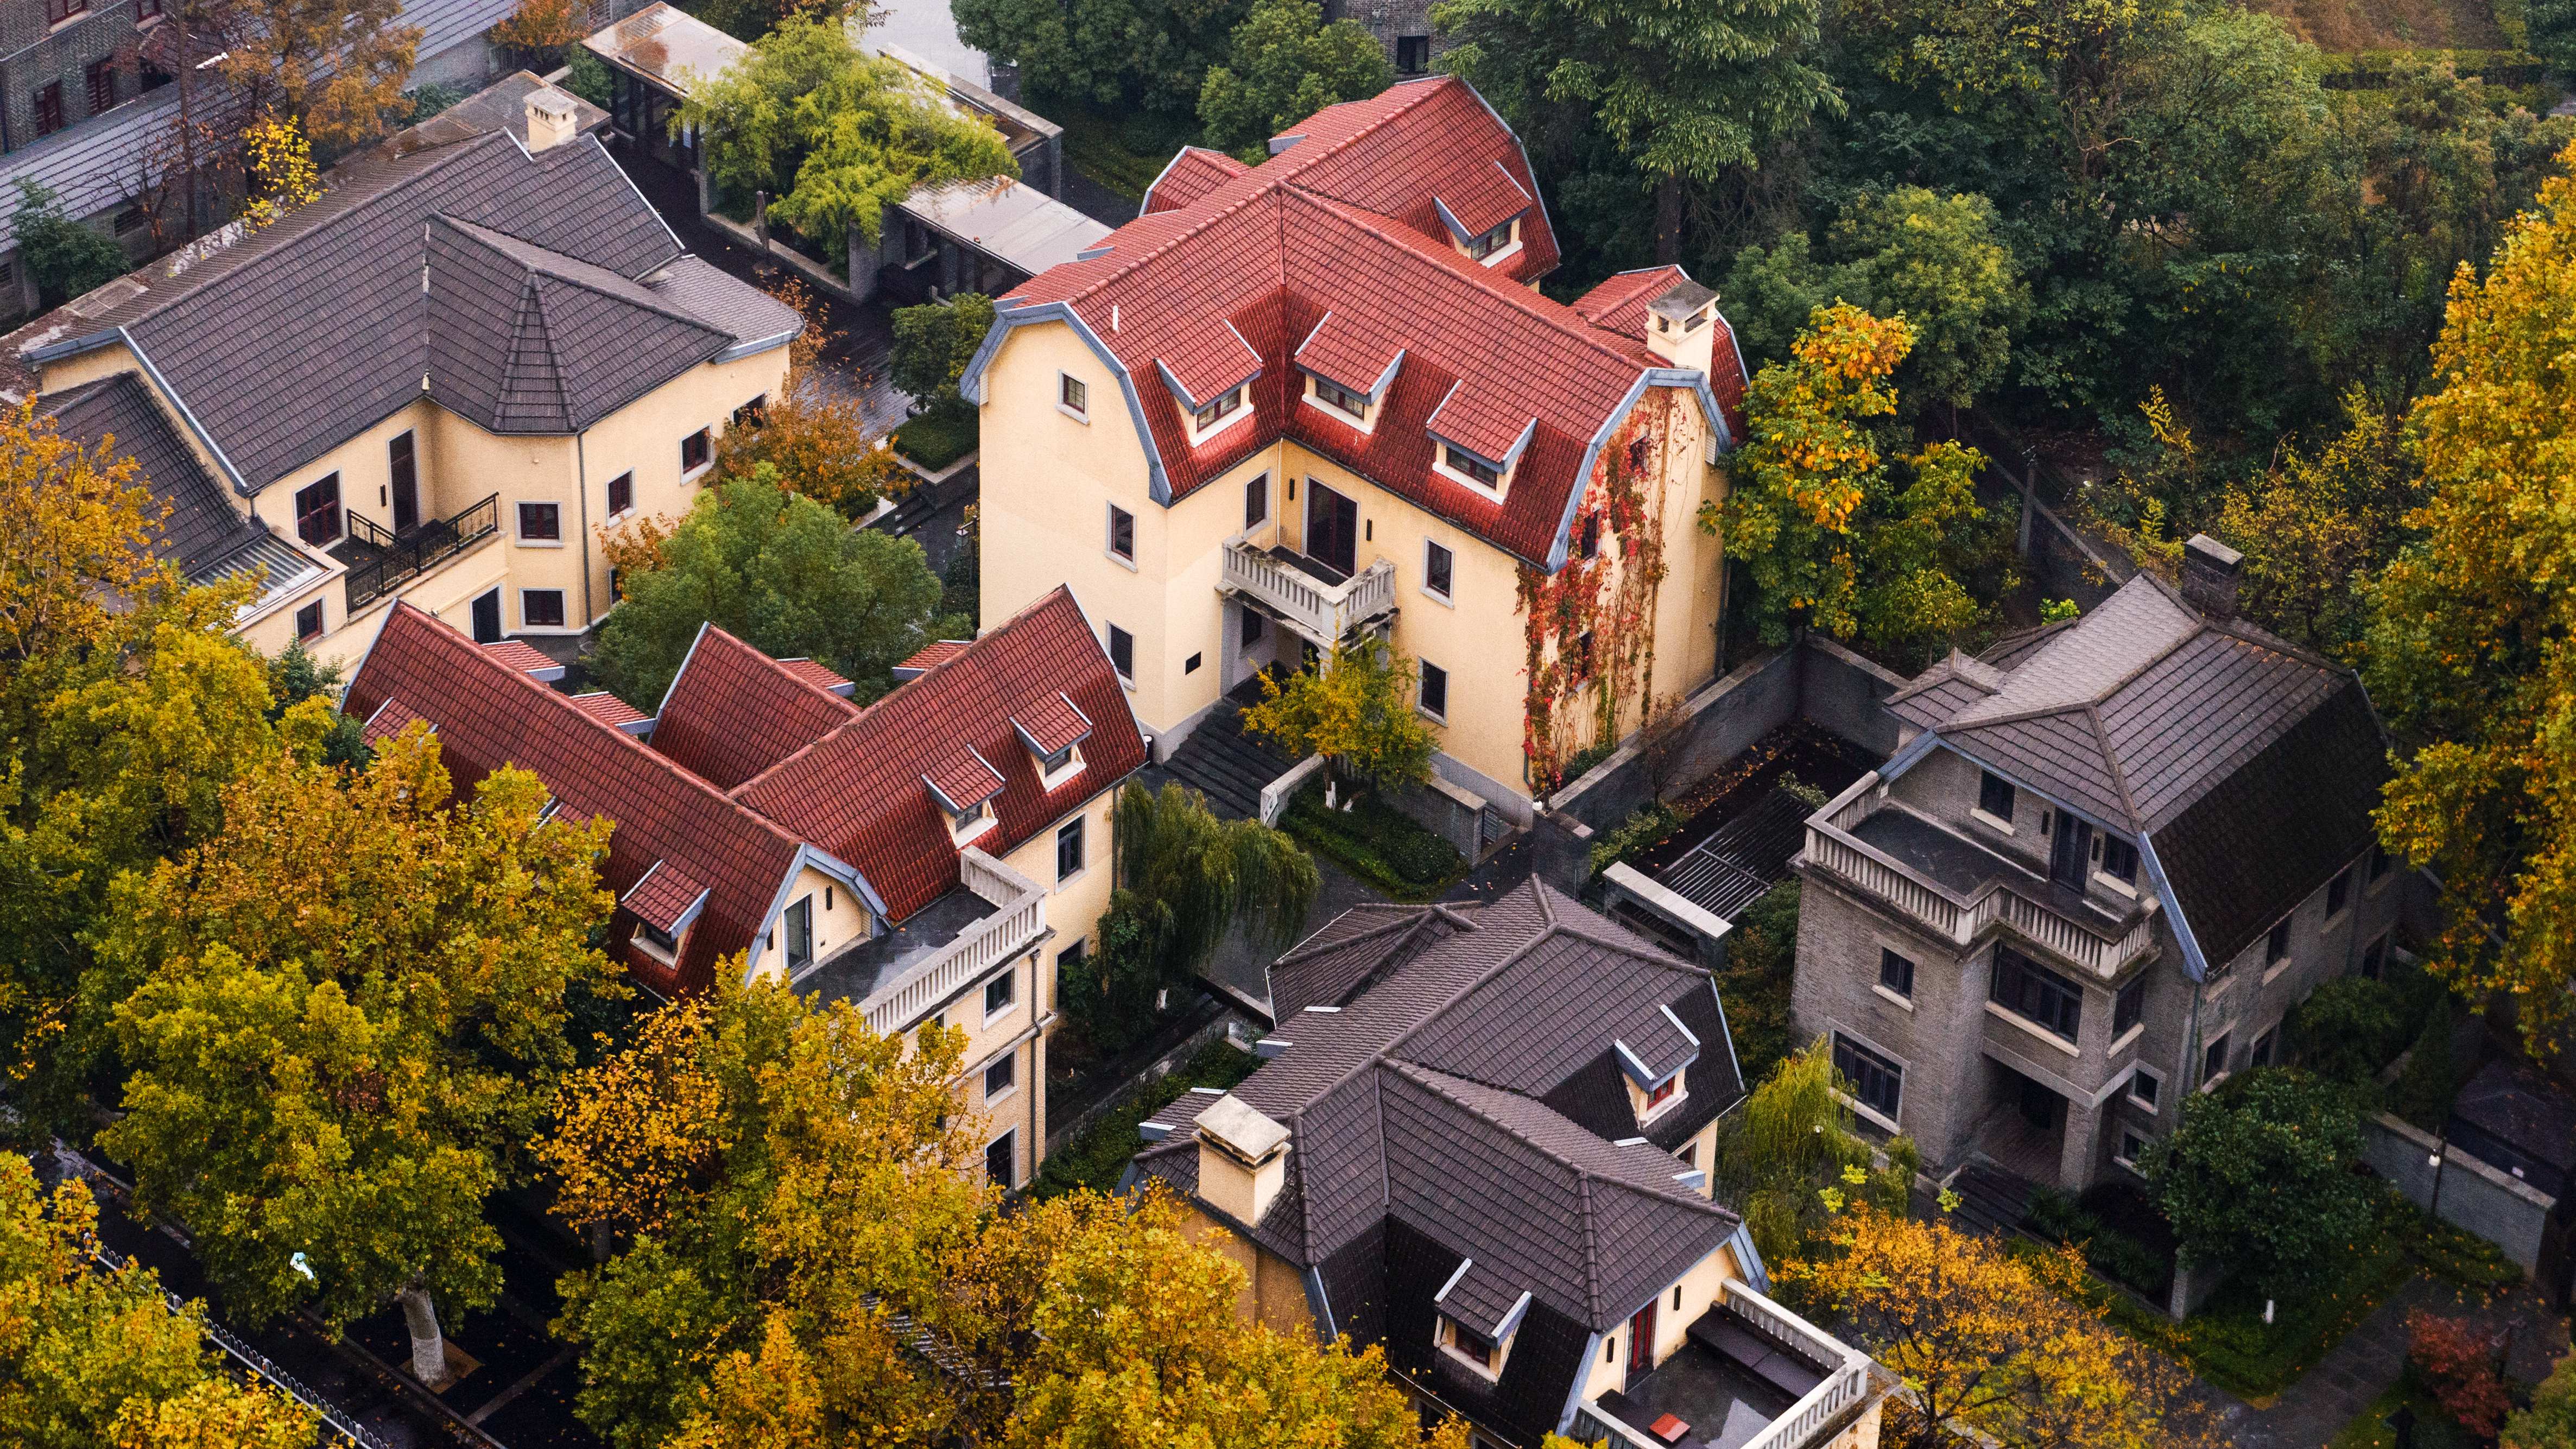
[1813, 679]
[2476, 1197]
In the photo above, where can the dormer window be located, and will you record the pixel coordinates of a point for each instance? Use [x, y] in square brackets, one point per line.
[1458, 461]
[965, 788]
[1206, 418]
[965, 825]
[1484, 245]
[1053, 730]
[1471, 1348]
[1339, 398]
[658, 943]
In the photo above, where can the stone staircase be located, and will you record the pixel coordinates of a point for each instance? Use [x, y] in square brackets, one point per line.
[1991, 1200]
[1226, 765]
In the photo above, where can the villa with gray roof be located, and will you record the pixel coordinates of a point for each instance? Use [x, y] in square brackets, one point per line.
[438, 382]
[2108, 857]
[1479, 1139]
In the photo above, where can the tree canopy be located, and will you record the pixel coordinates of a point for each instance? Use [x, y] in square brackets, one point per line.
[1283, 64]
[65, 257]
[97, 1359]
[352, 1078]
[832, 133]
[783, 573]
[2258, 1177]
[1996, 1345]
[334, 68]
[1113, 54]
[1356, 711]
[1835, 535]
[935, 341]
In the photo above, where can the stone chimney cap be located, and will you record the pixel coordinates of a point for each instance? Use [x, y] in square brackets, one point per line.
[2209, 570]
[2211, 551]
[1234, 1127]
[553, 118]
[1685, 299]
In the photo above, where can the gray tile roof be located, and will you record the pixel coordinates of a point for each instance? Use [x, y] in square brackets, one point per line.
[327, 307]
[2251, 765]
[94, 166]
[1418, 1086]
[204, 526]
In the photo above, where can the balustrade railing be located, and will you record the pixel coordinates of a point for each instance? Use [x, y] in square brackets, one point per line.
[1953, 917]
[978, 949]
[1844, 1385]
[1321, 611]
[391, 560]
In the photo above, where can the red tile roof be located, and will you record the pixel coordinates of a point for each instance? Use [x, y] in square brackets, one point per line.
[1193, 173]
[663, 897]
[1207, 364]
[929, 657]
[817, 675]
[1343, 222]
[608, 709]
[1481, 199]
[1350, 348]
[1053, 723]
[964, 781]
[489, 715]
[1619, 303]
[1484, 420]
[733, 711]
[858, 792]
[525, 657]
[390, 719]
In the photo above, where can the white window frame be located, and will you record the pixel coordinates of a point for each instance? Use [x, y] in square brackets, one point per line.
[1012, 1137]
[519, 523]
[1446, 1333]
[1242, 393]
[1012, 1057]
[687, 473]
[566, 627]
[1447, 596]
[1440, 465]
[1440, 715]
[1065, 383]
[1649, 1110]
[1364, 420]
[1011, 979]
[1062, 879]
[1124, 678]
[1109, 536]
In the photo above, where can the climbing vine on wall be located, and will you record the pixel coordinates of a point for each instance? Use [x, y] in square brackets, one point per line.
[1589, 628]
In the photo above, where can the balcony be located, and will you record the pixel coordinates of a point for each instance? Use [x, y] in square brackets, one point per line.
[1748, 1375]
[1960, 892]
[1313, 598]
[379, 562]
[902, 974]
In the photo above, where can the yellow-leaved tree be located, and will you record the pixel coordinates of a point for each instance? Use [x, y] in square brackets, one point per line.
[2471, 650]
[1994, 1345]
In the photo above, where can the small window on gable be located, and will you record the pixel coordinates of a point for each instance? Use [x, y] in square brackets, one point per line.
[1073, 395]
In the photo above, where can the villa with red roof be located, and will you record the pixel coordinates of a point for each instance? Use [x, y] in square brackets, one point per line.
[1295, 403]
[935, 856]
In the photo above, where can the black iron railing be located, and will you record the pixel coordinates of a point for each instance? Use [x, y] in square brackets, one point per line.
[382, 562]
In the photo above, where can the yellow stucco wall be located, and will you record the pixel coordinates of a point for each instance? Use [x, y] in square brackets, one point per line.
[1050, 480]
[1274, 1292]
[458, 464]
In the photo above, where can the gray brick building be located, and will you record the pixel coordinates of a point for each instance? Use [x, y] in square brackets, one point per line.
[2106, 860]
[1402, 26]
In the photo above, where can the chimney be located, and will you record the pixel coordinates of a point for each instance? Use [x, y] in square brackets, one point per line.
[1243, 1159]
[551, 119]
[2209, 576]
[1681, 325]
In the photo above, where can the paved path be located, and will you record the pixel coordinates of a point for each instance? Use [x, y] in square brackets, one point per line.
[2309, 1413]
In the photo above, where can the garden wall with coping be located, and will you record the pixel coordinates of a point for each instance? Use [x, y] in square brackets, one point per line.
[1813, 679]
[2476, 1196]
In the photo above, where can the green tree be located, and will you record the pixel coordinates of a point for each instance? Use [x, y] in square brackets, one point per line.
[1833, 536]
[64, 257]
[1357, 712]
[832, 133]
[1687, 93]
[1937, 261]
[347, 1082]
[2469, 653]
[1791, 1157]
[1285, 63]
[934, 342]
[2550, 1422]
[1757, 980]
[784, 573]
[787, 1181]
[93, 1359]
[2348, 1029]
[1112, 54]
[1185, 880]
[2258, 1177]
[2317, 524]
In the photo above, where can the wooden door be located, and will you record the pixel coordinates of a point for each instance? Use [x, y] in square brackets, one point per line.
[1332, 529]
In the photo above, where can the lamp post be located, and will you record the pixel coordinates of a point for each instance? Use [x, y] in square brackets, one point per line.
[2441, 1154]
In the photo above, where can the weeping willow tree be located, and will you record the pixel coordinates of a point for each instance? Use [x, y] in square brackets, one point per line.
[1789, 1157]
[1185, 878]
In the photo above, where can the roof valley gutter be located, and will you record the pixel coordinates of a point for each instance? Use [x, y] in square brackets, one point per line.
[241, 485]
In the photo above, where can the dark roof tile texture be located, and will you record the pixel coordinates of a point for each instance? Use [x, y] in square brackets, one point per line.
[204, 527]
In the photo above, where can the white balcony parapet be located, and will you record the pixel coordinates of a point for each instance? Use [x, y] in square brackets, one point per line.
[1322, 612]
[1956, 918]
[1012, 928]
[1845, 1385]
